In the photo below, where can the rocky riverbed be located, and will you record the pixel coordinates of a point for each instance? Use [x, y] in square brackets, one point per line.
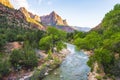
[74, 66]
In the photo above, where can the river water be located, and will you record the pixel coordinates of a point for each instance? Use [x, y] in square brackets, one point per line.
[74, 67]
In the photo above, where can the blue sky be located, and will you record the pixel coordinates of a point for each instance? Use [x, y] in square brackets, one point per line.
[83, 13]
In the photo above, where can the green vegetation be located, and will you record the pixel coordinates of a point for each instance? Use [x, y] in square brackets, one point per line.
[11, 34]
[105, 43]
[54, 39]
[21, 58]
[98, 77]
[30, 39]
[24, 58]
[4, 66]
[89, 42]
[45, 43]
[74, 35]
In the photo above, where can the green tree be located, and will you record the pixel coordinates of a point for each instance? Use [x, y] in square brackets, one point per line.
[90, 42]
[46, 43]
[93, 40]
[103, 56]
[79, 35]
[105, 42]
[54, 39]
[117, 7]
[58, 36]
[80, 43]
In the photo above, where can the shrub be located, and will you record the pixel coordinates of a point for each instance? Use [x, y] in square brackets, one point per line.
[16, 57]
[98, 77]
[4, 67]
[25, 57]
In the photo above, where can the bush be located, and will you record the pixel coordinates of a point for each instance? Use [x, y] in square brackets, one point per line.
[98, 77]
[115, 68]
[30, 59]
[105, 77]
[25, 57]
[16, 57]
[4, 67]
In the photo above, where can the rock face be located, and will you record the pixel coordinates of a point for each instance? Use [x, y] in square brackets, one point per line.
[35, 17]
[31, 17]
[65, 22]
[65, 28]
[97, 27]
[26, 19]
[25, 12]
[29, 14]
[53, 19]
[15, 18]
[6, 3]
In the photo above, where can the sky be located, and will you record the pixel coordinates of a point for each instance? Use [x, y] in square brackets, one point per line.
[83, 13]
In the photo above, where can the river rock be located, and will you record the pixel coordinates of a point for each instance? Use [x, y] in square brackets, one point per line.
[46, 74]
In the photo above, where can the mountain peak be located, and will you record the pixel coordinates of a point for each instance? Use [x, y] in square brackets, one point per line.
[31, 17]
[24, 11]
[29, 14]
[22, 8]
[53, 19]
[53, 12]
[6, 3]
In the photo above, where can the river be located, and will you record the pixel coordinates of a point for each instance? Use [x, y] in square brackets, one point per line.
[74, 67]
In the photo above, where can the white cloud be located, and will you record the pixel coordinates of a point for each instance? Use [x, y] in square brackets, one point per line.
[24, 3]
[20, 3]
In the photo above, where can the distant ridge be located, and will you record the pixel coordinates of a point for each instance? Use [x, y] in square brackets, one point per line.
[84, 29]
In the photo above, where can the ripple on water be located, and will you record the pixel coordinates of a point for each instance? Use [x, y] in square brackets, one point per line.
[74, 67]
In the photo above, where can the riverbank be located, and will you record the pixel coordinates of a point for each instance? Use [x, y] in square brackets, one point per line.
[92, 75]
[51, 62]
[74, 63]
[72, 68]
[88, 53]
[46, 64]
[54, 63]
[97, 73]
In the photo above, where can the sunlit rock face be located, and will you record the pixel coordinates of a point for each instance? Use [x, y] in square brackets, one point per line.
[34, 19]
[6, 3]
[23, 17]
[29, 14]
[14, 18]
